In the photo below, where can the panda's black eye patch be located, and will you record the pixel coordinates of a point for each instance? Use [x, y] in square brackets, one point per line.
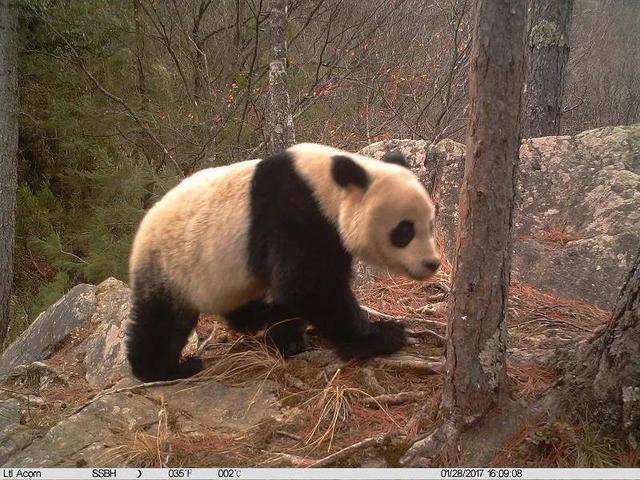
[402, 234]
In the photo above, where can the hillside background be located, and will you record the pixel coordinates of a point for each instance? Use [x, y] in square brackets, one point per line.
[119, 100]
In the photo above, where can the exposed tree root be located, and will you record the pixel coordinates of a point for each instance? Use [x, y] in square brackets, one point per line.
[396, 362]
[426, 451]
[293, 460]
[402, 319]
[441, 340]
[347, 451]
[400, 362]
[394, 399]
[370, 382]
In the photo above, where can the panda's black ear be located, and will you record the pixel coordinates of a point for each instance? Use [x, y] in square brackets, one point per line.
[346, 172]
[395, 156]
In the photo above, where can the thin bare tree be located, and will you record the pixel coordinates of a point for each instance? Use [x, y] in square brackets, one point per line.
[281, 133]
[547, 55]
[8, 154]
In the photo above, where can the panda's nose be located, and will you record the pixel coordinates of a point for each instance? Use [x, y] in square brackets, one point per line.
[432, 265]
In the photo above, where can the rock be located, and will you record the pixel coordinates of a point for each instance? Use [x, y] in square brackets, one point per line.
[105, 359]
[220, 407]
[586, 189]
[578, 212]
[37, 375]
[88, 437]
[51, 327]
[14, 436]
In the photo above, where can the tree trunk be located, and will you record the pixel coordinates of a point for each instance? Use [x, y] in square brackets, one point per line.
[8, 154]
[603, 382]
[547, 54]
[200, 69]
[476, 380]
[280, 125]
[477, 340]
[143, 89]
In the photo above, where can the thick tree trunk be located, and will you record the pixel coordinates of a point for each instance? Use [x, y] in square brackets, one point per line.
[603, 382]
[476, 374]
[547, 54]
[8, 154]
[280, 127]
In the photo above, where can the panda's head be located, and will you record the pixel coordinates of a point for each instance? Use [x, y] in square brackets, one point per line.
[386, 216]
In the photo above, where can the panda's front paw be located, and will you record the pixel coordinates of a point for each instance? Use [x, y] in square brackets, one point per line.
[387, 336]
[382, 338]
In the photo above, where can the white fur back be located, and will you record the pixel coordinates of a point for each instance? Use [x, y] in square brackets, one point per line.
[198, 232]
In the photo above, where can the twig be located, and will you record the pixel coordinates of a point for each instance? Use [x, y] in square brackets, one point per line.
[345, 452]
[394, 399]
[29, 398]
[73, 255]
[133, 388]
[370, 382]
[294, 460]
[288, 435]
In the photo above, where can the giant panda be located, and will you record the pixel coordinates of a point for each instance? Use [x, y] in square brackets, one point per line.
[268, 244]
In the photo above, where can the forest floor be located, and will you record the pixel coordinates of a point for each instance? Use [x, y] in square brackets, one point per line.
[360, 413]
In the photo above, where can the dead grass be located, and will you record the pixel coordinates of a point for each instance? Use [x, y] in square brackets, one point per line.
[242, 361]
[525, 381]
[532, 312]
[164, 447]
[330, 410]
[397, 296]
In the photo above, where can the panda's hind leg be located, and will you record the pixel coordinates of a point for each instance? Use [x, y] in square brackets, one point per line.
[284, 329]
[158, 331]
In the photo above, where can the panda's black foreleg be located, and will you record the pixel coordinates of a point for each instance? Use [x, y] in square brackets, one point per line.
[157, 332]
[284, 329]
[333, 310]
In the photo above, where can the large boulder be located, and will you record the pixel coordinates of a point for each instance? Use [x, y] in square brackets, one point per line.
[51, 328]
[577, 222]
[105, 358]
[88, 437]
[14, 435]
